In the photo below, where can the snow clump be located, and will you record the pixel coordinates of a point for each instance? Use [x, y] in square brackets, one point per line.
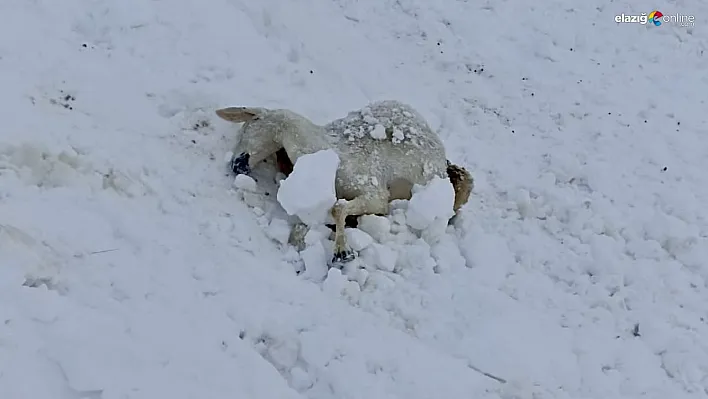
[308, 192]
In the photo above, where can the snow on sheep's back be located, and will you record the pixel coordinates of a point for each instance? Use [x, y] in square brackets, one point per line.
[128, 269]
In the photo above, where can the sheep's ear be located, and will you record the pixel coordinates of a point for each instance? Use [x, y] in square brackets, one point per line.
[238, 114]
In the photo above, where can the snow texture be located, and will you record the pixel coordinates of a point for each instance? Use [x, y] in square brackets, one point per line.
[308, 192]
[378, 132]
[358, 239]
[246, 183]
[132, 268]
[430, 204]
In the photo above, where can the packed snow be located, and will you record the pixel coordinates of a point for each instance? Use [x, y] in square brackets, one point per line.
[378, 132]
[134, 265]
[431, 203]
[308, 192]
[245, 183]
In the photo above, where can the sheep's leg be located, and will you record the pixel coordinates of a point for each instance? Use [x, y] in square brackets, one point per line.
[362, 205]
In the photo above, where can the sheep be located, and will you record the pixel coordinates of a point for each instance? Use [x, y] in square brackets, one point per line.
[384, 149]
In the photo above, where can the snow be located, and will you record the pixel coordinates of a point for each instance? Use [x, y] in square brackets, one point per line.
[131, 267]
[381, 256]
[358, 239]
[378, 132]
[246, 183]
[279, 230]
[397, 136]
[431, 203]
[376, 226]
[308, 192]
[315, 261]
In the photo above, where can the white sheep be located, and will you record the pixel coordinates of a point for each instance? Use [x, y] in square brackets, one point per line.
[384, 149]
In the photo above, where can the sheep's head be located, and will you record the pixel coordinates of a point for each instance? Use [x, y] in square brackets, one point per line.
[257, 140]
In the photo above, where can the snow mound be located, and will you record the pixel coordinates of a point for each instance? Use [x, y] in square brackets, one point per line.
[376, 226]
[414, 239]
[245, 182]
[378, 132]
[308, 192]
[279, 230]
[387, 247]
[315, 262]
[34, 164]
[358, 239]
[431, 203]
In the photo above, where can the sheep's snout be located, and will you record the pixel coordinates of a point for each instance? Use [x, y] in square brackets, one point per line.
[239, 164]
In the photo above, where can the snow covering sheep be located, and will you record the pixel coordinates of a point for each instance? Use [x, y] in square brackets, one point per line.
[384, 149]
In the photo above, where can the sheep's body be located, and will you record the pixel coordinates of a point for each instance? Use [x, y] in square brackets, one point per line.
[386, 146]
[384, 149]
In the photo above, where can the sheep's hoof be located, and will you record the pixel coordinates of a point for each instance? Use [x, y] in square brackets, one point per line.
[342, 257]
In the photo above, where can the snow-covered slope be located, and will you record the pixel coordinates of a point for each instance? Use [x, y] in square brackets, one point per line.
[129, 268]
